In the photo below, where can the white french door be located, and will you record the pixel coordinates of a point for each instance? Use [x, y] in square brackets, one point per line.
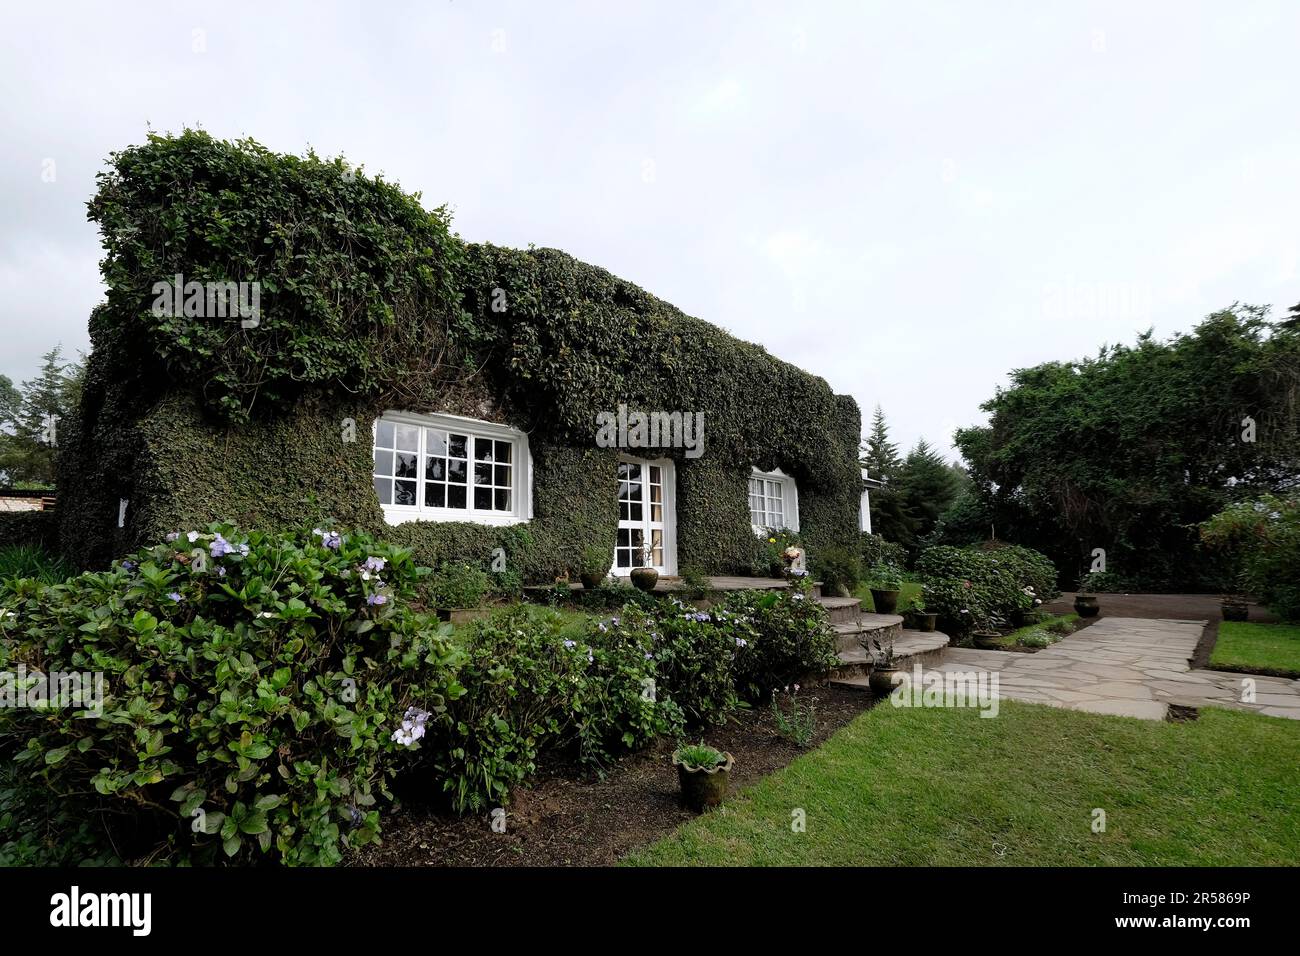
[646, 536]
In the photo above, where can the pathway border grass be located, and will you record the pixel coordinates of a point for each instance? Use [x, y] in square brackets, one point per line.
[1258, 648]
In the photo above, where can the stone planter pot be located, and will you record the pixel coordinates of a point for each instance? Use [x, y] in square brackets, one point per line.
[886, 602]
[591, 581]
[703, 788]
[882, 680]
[987, 640]
[1235, 611]
[645, 578]
[924, 621]
[463, 615]
[1085, 605]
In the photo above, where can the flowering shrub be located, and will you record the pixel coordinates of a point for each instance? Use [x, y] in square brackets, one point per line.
[971, 588]
[771, 547]
[1263, 537]
[254, 691]
[694, 654]
[533, 685]
[786, 637]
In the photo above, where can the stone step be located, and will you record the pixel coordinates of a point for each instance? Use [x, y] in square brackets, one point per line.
[910, 647]
[848, 634]
[841, 610]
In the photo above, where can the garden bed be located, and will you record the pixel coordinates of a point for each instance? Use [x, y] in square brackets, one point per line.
[566, 818]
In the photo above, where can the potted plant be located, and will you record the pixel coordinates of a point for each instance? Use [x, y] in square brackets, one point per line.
[1234, 608]
[702, 773]
[645, 577]
[886, 584]
[884, 676]
[1085, 605]
[594, 566]
[916, 618]
[789, 558]
[458, 590]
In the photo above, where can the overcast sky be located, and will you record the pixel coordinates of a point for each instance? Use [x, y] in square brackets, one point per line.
[909, 199]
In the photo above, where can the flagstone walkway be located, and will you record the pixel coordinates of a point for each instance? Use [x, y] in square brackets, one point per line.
[1134, 667]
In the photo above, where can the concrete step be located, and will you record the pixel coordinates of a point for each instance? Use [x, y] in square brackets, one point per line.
[841, 610]
[848, 634]
[910, 647]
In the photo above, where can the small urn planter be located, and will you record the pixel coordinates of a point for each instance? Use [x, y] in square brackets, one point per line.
[703, 774]
[1085, 605]
[1235, 610]
[987, 640]
[884, 680]
[886, 601]
[591, 581]
[645, 578]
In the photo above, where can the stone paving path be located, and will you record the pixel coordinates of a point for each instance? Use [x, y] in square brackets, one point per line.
[1134, 667]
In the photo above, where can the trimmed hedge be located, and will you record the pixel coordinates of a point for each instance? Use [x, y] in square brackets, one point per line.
[972, 588]
[35, 528]
[369, 303]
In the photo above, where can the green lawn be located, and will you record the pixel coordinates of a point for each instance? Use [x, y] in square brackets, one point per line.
[1247, 646]
[944, 786]
[910, 590]
[1058, 624]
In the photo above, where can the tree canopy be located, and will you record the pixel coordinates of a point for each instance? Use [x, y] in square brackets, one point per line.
[1129, 450]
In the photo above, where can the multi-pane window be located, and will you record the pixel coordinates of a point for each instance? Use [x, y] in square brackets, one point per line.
[640, 540]
[450, 469]
[766, 502]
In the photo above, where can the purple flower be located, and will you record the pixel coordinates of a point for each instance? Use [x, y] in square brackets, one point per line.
[219, 547]
[329, 539]
[221, 572]
[412, 728]
[128, 565]
[570, 644]
[375, 599]
[176, 596]
[173, 535]
[374, 564]
[699, 616]
[741, 642]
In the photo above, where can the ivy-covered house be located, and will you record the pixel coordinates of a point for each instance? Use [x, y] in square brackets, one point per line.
[385, 374]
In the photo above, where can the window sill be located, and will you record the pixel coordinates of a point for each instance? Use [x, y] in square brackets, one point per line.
[399, 515]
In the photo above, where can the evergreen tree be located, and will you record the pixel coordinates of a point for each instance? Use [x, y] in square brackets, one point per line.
[27, 446]
[879, 454]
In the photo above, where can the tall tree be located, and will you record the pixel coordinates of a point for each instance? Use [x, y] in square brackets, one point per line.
[927, 486]
[28, 444]
[1128, 451]
[879, 454]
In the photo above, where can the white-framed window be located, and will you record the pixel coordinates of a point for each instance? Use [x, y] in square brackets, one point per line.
[448, 468]
[773, 501]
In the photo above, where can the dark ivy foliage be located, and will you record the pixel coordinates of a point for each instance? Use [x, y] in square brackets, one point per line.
[370, 303]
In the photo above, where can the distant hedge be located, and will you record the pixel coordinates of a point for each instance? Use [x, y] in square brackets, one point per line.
[38, 528]
[370, 303]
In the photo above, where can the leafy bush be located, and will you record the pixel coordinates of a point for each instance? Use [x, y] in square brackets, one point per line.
[1029, 569]
[253, 684]
[884, 577]
[786, 637]
[838, 568]
[973, 588]
[459, 584]
[530, 687]
[694, 654]
[1263, 537]
[876, 550]
[699, 756]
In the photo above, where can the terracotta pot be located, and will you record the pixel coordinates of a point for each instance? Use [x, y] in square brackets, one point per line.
[886, 602]
[1085, 605]
[703, 788]
[645, 578]
[591, 581]
[988, 640]
[881, 680]
[925, 621]
[1235, 611]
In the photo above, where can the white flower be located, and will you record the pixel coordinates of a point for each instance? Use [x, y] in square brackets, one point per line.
[193, 536]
